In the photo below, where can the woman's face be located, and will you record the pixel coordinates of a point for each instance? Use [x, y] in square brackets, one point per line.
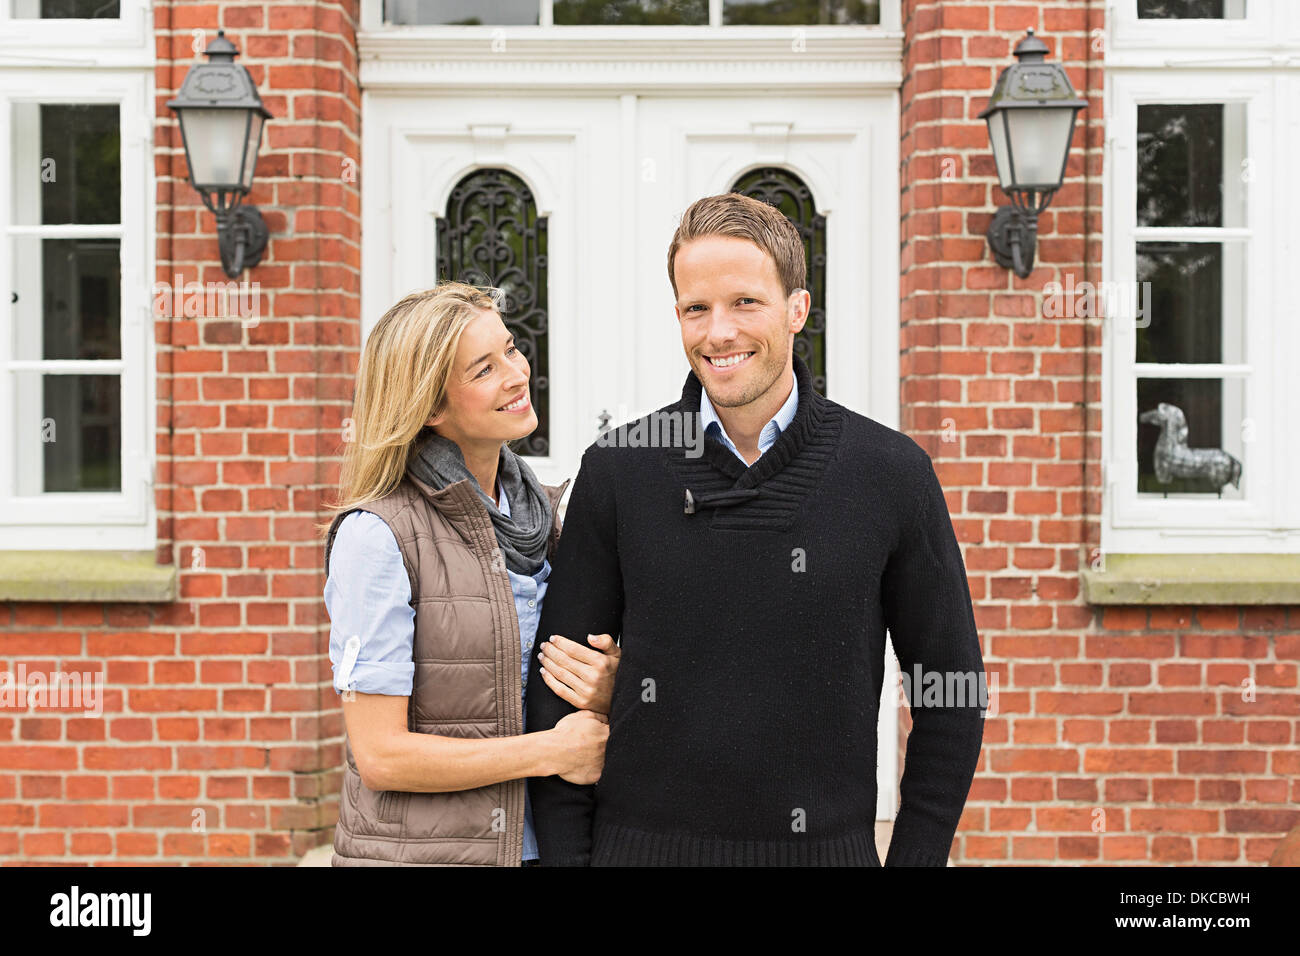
[489, 374]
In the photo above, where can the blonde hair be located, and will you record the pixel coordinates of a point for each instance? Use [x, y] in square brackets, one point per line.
[742, 217]
[401, 382]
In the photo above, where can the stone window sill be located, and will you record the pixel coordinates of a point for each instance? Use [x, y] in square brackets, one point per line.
[108, 576]
[1194, 579]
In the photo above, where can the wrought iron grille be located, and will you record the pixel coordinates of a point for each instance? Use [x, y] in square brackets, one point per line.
[790, 194]
[492, 236]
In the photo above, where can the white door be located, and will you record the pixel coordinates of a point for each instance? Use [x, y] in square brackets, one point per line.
[611, 173]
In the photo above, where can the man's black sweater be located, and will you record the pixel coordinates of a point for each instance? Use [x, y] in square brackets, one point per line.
[751, 605]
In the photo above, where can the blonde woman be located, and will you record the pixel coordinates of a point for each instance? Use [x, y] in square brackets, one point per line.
[434, 591]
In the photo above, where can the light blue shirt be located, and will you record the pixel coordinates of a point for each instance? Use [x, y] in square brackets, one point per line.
[368, 597]
[712, 424]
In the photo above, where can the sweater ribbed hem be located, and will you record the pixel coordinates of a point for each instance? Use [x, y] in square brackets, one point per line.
[916, 856]
[614, 845]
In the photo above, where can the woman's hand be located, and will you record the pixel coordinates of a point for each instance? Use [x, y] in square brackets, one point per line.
[582, 676]
[580, 741]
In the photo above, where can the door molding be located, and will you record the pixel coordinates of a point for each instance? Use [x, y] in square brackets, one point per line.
[640, 59]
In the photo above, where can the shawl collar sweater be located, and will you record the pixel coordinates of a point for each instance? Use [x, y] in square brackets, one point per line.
[751, 605]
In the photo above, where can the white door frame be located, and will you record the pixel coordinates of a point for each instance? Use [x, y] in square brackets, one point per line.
[629, 63]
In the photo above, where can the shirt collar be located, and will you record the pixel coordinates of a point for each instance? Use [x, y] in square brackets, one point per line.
[776, 424]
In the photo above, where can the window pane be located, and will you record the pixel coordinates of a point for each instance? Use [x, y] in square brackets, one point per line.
[800, 12]
[462, 12]
[69, 298]
[632, 12]
[492, 236]
[1192, 168]
[67, 164]
[1194, 303]
[1213, 413]
[69, 433]
[1191, 9]
[67, 9]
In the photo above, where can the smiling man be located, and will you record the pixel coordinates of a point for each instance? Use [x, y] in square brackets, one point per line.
[752, 587]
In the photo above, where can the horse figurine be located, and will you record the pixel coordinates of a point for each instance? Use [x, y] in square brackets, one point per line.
[1173, 459]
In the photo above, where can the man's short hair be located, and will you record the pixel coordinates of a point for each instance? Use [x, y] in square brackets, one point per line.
[739, 216]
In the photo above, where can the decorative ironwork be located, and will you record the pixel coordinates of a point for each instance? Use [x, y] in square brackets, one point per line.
[492, 236]
[790, 194]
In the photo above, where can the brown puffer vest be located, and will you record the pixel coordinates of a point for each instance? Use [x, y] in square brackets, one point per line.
[467, 684]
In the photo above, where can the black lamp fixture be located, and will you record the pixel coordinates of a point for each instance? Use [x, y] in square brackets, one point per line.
[1030, 118]
[221, 119]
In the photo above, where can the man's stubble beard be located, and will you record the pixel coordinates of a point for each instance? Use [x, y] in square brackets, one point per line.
[776, 366]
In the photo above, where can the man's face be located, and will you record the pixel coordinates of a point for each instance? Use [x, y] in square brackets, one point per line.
[731, 305]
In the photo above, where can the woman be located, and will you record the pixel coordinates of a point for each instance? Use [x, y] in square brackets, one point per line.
[434, 592]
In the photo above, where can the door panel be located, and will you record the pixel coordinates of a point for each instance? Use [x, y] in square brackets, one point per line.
[561, 150]
[844, 149]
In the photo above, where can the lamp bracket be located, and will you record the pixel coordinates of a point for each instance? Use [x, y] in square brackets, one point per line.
[1013, 237]
[242, 235]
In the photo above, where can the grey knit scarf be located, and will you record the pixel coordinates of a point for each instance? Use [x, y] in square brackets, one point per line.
[439, 462]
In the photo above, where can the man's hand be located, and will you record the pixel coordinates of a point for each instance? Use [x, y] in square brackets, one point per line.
[580, 675]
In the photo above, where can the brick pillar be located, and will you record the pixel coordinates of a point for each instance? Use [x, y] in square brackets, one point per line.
[235, 710]
[1004, 400]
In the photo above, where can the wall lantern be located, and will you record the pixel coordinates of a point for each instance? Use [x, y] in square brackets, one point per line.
[221, 119]
[1031, 118]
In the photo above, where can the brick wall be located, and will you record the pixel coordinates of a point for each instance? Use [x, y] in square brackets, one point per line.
[220, 702]
[1121, 734]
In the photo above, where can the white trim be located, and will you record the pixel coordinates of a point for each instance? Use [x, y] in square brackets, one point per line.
[124, 520]
[1264, 39]
[127, 40]
[65, 231]
[630, 59]
[1286, 196]
[1131, 32]
[69, 366]
[372, 16]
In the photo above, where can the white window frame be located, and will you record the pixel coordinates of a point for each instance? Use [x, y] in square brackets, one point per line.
[82, 67]
[1128, 32]
[124, 41]
[1146, 67]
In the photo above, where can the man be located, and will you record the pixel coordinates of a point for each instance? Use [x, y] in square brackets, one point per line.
[752, 586]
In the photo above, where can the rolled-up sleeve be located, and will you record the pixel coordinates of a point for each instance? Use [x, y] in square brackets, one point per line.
[368, 597]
